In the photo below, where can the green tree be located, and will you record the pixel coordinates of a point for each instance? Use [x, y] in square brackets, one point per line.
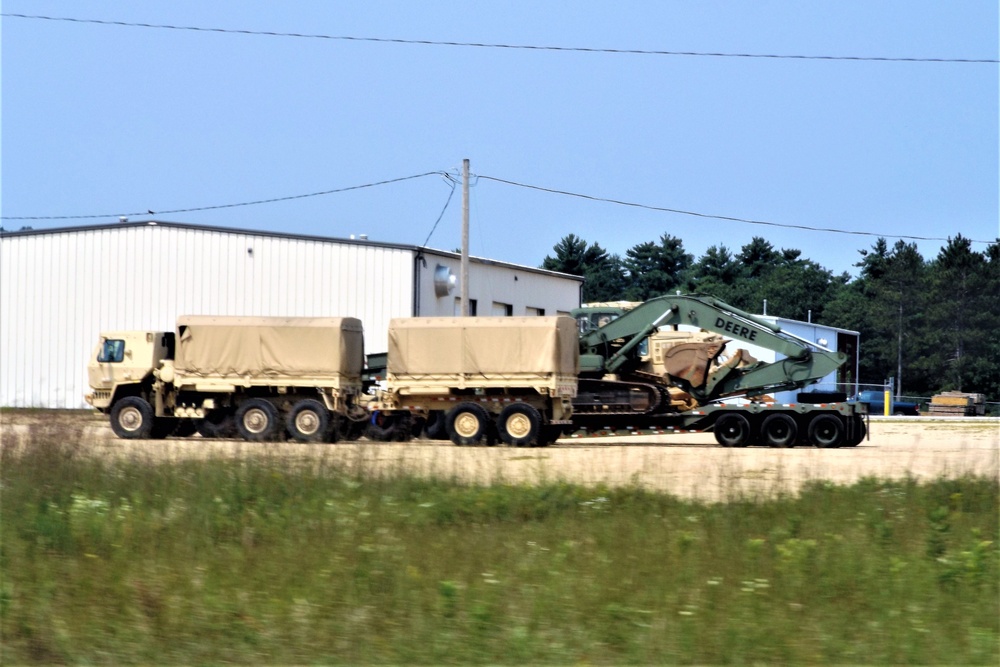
[715, 273]
[893, 284]
[962, 317]
[757, 257]
[655, 269]
[604, 276]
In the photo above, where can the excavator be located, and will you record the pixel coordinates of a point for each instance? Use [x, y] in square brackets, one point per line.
[640, 370]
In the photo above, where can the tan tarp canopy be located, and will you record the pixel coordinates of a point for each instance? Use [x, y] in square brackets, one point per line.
[275, 347]
[483, 346]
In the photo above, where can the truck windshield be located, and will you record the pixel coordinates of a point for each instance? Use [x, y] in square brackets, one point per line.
[113, 351]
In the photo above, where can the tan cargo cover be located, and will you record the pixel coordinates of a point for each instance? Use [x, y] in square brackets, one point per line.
[483, 346]
[270, 347]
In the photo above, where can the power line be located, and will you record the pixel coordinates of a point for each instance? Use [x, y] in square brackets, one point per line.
[452, 183]
[727, 218]
[488, 45]
[221, 206]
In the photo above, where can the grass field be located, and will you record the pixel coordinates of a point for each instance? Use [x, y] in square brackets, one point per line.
[269, 560]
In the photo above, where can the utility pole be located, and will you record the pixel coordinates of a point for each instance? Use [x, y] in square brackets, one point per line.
[465, 238]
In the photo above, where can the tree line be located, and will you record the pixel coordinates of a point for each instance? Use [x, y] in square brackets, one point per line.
[933, 325]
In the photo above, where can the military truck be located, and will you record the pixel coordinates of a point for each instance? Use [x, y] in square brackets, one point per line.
[258, 377]
[479, 379]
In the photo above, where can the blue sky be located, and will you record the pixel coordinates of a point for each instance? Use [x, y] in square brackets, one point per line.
[105, 119]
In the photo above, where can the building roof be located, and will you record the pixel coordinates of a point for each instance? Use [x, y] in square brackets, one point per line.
[281, 235]
[777, 320]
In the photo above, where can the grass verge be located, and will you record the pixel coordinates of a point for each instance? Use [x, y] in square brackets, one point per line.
[266, 560]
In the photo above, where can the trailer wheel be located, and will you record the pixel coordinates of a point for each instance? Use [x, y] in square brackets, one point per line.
[132, 418]
[467, 424]
[381, 427]
[519, 424]
[779, 430]
[860, 431]
[732, 429]
[308, 421]
[257, 420]
[826, 431]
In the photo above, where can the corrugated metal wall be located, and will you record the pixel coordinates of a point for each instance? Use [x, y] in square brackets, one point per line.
[59, 290]
[491, 283]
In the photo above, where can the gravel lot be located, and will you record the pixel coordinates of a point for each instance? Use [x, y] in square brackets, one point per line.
[689, 465]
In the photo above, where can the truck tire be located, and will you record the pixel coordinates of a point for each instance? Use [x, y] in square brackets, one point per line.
[257, 420]
[732, 429]
[184, 428]
[467, 423]
[779, 430]
[519, 425]
[218, 424]
[817, 397]
[860, 431]
[352, 429]
[308, 421]
[826, 431]
[132, 418]
[381, 427]
[435, 427]
[549, 434]
[336, 429]
[167, 427]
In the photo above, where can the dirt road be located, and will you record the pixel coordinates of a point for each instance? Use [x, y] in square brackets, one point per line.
[688, 465]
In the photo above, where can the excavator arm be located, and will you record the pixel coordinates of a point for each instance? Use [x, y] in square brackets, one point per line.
[617, 348]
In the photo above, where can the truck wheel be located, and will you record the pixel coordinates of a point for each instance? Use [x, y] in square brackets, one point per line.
[165, 427]
[519, 424]
[184, 428]
[336, 429]
[352, 429]
[826, 431]
[217, 424]
[779, 430]
[308, 421]
[132, 418]
[732, 430]
[549, 434]
[257, 420]
[436, 428]
[467, 423]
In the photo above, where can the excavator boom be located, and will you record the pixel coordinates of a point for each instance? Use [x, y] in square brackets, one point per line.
[617, 348]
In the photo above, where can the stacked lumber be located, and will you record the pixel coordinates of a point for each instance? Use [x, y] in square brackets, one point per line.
[958, 403]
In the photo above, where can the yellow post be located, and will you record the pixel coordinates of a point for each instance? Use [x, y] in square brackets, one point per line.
[888, 403]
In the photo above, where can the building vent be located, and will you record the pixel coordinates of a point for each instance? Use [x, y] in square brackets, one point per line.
[444, 281]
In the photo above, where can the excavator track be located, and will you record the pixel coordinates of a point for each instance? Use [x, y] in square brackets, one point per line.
[611, 397]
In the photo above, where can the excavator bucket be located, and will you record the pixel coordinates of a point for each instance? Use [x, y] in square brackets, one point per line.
[691, 361]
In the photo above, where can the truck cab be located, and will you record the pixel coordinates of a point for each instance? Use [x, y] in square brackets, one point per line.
[125, 358]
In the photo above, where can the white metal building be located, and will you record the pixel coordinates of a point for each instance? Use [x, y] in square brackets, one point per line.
[60, 288]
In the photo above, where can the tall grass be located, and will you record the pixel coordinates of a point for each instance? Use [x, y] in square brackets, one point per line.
[270, 561]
